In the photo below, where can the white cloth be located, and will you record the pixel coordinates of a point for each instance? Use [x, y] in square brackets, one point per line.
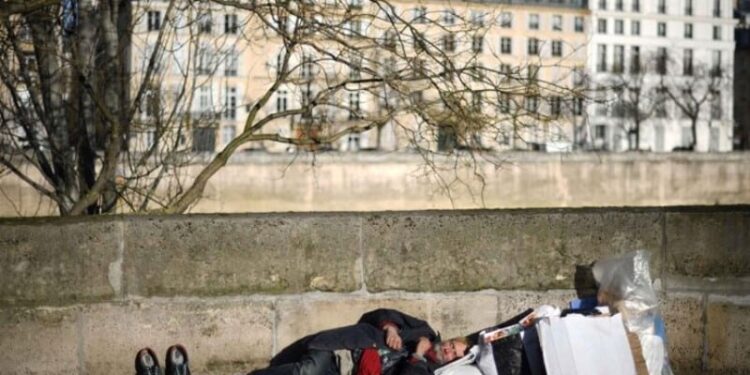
[579, 345]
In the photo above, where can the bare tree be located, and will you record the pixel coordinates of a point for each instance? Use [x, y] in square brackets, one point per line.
[636, 99]
[697, 94]
[83, 84]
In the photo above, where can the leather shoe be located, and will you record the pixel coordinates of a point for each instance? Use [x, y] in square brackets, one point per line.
[146, 363]
[176, 361]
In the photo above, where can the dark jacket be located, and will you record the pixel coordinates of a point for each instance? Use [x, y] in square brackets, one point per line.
[367, 333]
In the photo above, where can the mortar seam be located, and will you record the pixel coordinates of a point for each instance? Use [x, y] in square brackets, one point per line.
[81, 343]
[704, 320]
[362, 273]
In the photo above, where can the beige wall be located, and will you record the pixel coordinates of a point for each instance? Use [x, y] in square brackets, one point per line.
[258, 182]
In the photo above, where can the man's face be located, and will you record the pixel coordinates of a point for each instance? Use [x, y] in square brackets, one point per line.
[449, 350]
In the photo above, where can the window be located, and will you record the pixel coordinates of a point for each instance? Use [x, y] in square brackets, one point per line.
[477, 18]
[636, 5]
[533, 21]
[533, 47]
[354, 106]
[717, 8]
[419, 15]
[355, 4]
[619, 6]
[227, 134]
[506, 20]
[578, 106]
[603, 4]
[477, 43]
[555, 106]
[557, 23]
[504, 102]
[449, 17]
[353, 28]
[306, 67]
[661, 103]
[355, 69]
[231, 63]
[204, 23]
[717, 32]
[688, 7]
[579, 77]
[556, 48]
[532, 73]
[230, 24]
[281, 101]
[716, 63]
[635, 27]
[230, 105]
[506, 45]
[619, 27]
[476, 101]
[205, 60]
[506, 70]
[601, 26]
[532, 104]
[204, 99]
[687, 62]
[601, 64]
[449, 42]
[716, 112]
[477, 71]
[389, 39]
[661, 61]
[154, 20]
[688, 31]
[635, 59]
[662, 7]
[618, 65]
[578, 24]
[661, 29]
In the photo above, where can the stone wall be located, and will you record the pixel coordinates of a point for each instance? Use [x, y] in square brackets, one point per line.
[261, 182]
[82, 295]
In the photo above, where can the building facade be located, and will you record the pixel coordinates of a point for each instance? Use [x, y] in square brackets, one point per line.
[621, 69]
[661, 75]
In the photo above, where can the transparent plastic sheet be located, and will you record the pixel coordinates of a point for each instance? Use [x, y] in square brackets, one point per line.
[625, 286]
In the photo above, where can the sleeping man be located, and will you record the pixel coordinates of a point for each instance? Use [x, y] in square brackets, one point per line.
[383, 342]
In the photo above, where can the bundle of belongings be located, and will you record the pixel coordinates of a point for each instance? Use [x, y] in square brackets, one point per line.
[620, 332]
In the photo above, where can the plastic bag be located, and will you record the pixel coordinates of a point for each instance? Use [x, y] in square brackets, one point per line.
[625, 286]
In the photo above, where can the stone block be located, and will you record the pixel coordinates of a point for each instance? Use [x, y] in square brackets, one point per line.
[708, 244]
[221, 337]
[235, 255]
[56, 262]
[683, 317]
[728, 338]
[39, 341]
[475, 250]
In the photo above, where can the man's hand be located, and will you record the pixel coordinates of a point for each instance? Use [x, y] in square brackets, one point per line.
[423, 346]
[392, 338]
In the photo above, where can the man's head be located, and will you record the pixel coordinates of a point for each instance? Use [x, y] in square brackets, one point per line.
[450, 350]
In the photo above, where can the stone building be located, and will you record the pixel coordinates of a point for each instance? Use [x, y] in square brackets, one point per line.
[661, 57]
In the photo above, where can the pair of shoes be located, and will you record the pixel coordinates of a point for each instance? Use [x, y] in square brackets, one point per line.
[146, 362]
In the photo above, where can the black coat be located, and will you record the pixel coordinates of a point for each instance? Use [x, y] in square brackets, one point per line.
[367, 333]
